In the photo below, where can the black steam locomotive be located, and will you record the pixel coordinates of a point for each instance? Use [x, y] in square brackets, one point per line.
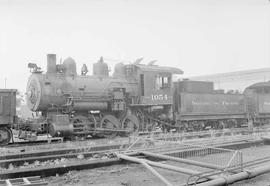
[100, 105]
[135, 98]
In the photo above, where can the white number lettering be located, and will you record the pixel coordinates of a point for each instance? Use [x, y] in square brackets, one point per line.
[165, 97]
[159, 97]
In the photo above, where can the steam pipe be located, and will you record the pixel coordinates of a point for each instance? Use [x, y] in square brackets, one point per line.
[143, 162]
[173, 168]
[237, 177]
[164, 180]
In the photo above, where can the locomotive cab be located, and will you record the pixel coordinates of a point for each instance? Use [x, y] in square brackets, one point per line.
[155, 84]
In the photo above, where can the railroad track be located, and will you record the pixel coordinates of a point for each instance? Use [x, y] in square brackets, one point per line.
[21, 158]
[18, 165]
[115, 146]
[182, 135]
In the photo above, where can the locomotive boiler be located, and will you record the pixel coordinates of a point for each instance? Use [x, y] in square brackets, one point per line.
[61, 82]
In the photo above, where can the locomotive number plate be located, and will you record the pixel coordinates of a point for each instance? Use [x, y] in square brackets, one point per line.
[159, 97]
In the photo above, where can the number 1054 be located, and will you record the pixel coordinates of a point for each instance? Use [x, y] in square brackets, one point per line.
[159, 97]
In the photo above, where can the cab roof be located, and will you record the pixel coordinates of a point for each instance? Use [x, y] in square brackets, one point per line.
[155, 68]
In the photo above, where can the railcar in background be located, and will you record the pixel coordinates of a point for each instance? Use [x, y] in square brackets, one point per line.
[7, 114]
[258, 102]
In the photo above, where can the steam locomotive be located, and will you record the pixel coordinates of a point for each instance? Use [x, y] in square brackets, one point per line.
[99, 105]
[135, 98]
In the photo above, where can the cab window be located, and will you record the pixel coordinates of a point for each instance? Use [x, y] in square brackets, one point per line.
[162, 82]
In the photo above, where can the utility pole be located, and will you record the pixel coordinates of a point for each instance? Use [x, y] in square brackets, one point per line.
[5, 82]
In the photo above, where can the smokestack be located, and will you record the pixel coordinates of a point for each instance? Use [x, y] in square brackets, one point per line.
[51, 63]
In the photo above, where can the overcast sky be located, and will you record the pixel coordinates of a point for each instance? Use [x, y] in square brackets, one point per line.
[197, 36]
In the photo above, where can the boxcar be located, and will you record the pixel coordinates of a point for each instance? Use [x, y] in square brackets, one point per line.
[7, 114]
[258, 102]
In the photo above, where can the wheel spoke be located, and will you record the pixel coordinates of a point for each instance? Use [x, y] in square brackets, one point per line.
[130, 123]
[110, 122]
[5, 136]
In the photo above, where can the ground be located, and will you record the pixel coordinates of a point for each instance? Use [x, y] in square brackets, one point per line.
[134, 174]
[262, 180]
[126, 175]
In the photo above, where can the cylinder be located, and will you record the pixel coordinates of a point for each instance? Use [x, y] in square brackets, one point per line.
[90, 106]
[60, 126]
[51, 63]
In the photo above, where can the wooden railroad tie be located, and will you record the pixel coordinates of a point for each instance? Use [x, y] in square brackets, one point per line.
[26, 181]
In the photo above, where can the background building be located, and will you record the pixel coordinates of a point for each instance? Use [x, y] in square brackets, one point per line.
[238, 80]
